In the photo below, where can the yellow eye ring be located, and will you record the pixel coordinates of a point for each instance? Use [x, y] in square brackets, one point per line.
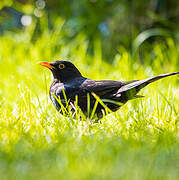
[61, 66]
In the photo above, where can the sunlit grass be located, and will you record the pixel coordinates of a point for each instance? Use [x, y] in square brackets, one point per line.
[140, 141]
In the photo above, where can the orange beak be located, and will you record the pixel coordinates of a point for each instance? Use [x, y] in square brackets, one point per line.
[46, 64]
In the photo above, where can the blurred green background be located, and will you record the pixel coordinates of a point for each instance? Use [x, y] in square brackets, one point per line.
[114, 22]
[105, 39]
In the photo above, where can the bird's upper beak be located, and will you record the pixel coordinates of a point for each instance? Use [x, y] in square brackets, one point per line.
[47, 64]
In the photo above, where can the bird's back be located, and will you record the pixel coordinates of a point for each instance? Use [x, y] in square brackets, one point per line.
[81, 87]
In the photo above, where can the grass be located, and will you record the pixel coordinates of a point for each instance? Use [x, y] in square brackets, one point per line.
[140, 141]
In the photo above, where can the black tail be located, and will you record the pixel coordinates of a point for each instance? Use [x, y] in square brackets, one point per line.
[133, 88]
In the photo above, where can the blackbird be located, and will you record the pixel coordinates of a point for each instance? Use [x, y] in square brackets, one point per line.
[69, 83]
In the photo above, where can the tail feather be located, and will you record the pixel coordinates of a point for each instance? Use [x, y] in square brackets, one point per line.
[133, 88]
[138, 96]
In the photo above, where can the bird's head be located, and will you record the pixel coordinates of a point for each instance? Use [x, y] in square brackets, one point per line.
[62, 70]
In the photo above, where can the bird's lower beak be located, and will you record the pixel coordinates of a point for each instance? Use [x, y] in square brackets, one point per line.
[46, 64]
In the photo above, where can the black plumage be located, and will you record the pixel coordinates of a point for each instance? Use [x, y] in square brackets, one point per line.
[69, 83]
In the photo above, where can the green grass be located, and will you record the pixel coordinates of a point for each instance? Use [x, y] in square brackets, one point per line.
[140, 141]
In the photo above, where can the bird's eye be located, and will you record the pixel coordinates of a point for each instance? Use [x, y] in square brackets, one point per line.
[61, 66]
